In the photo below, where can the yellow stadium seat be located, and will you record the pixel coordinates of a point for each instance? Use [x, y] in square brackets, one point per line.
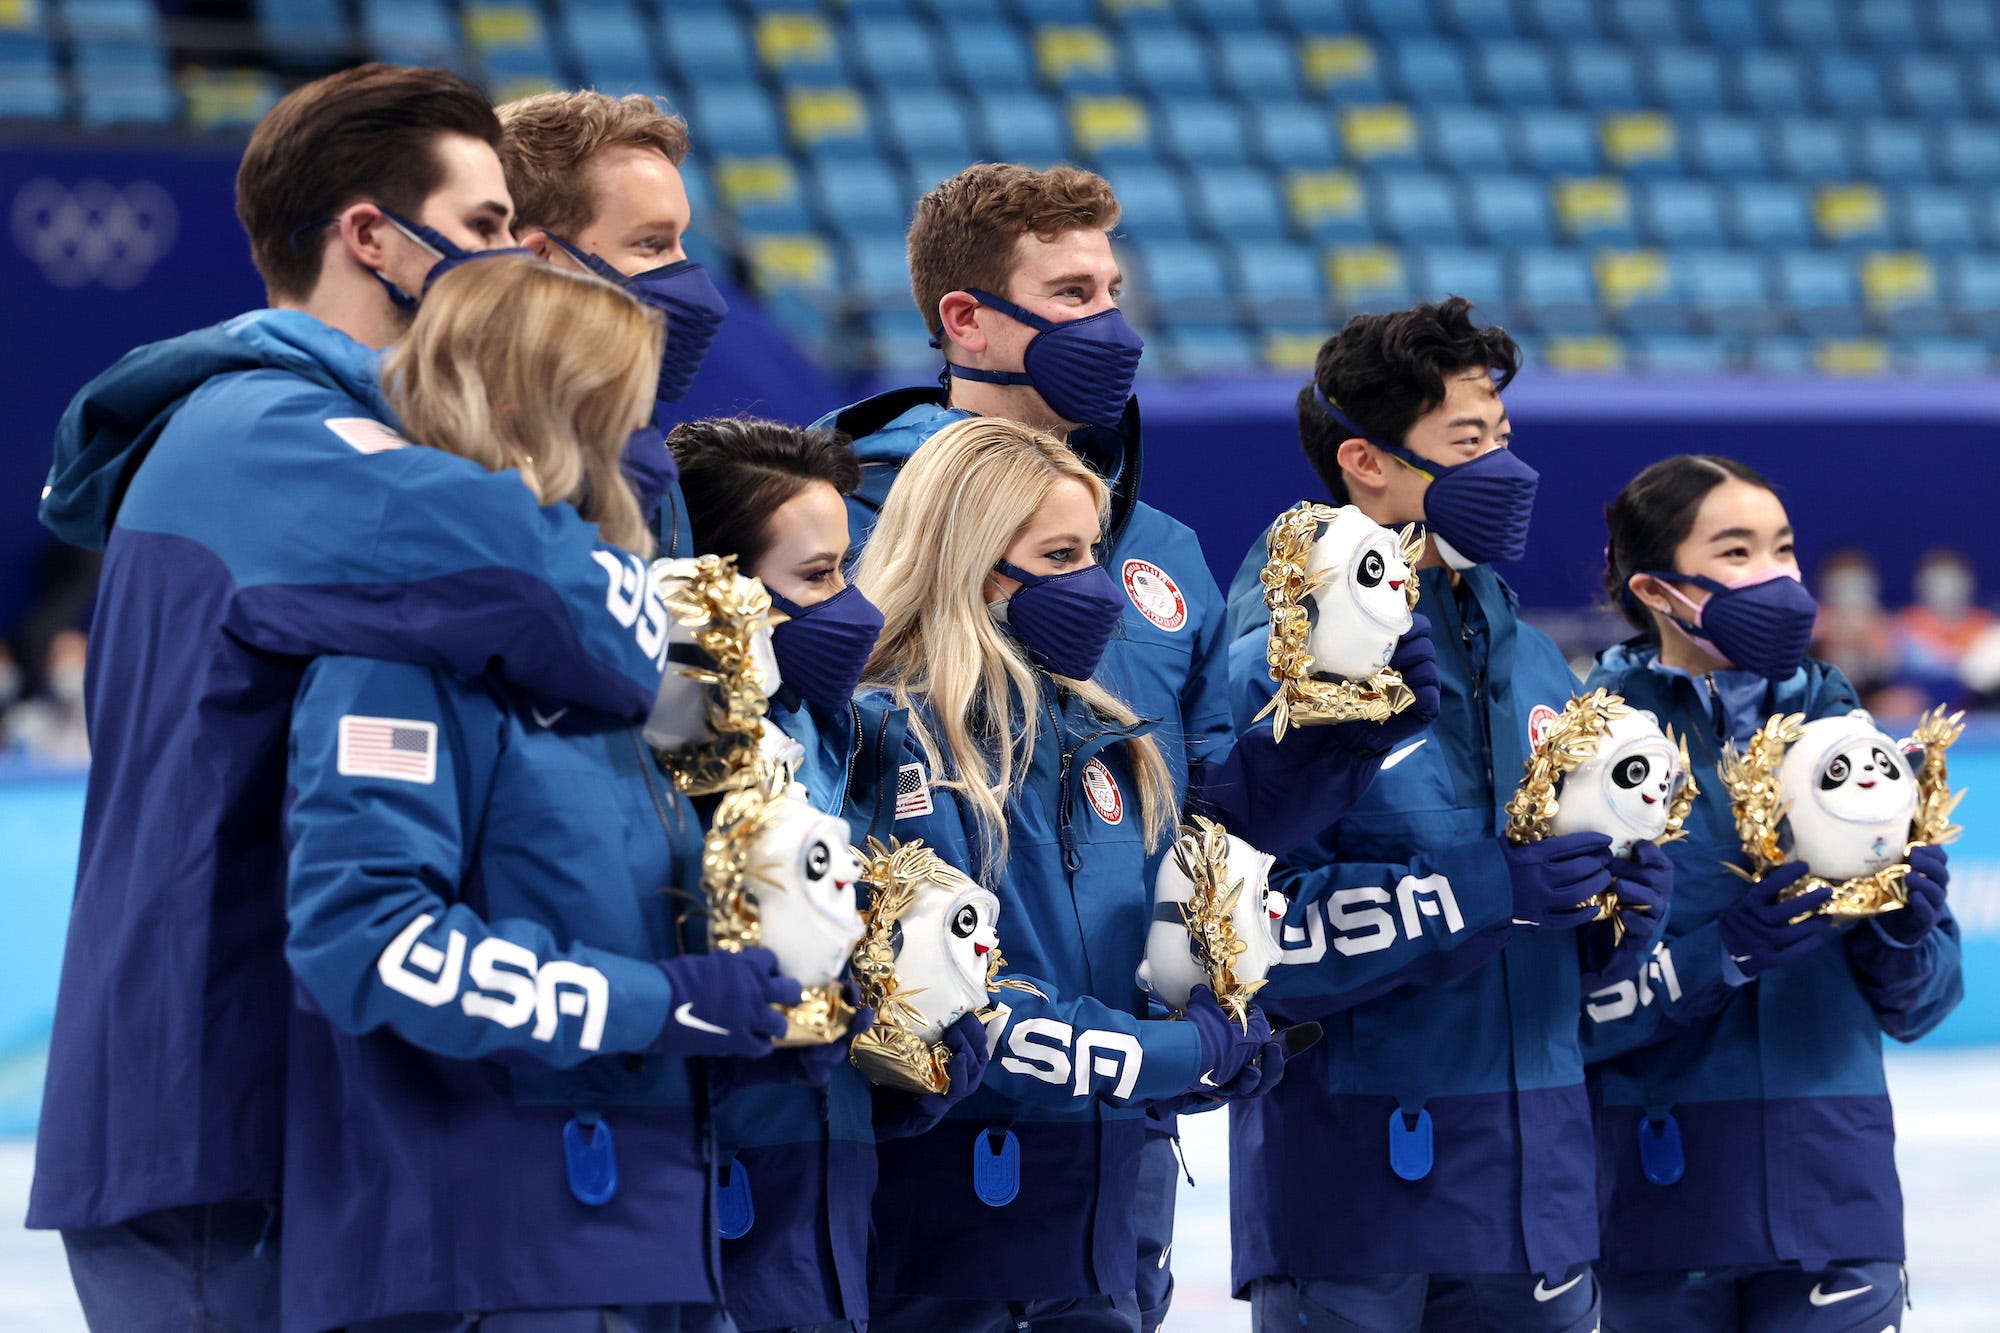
[514, 87]
[1844, 211]
[1108, 122]
[19, 15]
[1894, 278]
[1852, 356]
[224, 97]
[1593, 201]
[1636, 138]
[1138, 6]
[1625, 277]
[1321, 196]
[1063, 51]
[503, 27]
[820, 115]
[1329, 62]
[793, 39]
[791, 263]
[1383, 130]
[1294, 353]
[747, 182]
[1592, 354]
[1359, 272]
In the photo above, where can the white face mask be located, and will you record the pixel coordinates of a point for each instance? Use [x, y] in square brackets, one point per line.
[1626, 789]
[1169, 969]
[65, 684]
[801, 873]
[1850, 589]
[1850, 793]
[1945, 589]
[1362, 608]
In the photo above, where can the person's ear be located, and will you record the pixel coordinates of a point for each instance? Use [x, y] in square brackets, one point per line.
[1361, 465]
[537, 240]
[1651, 592]
[959, 313]
[364, 233]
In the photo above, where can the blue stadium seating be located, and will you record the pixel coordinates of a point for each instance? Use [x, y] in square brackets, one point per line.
[1187, 276]
[612, 48]
[1430, 73]
[1681, 213]
[1849, 84]
[409, 32]
[1770, 214]
[1730, 147]
[708, 46]
[1822, 291]
[1928, 85]
[1938, 218]
[1729, 290]
[1969, 151]
[1516, 74]
[897, 54]
[1241, 202]
[1468, 139]
[1559, 287]
[1888, 25]
[1480, 276]
[1557, 143]
[1169, 63]
[1022, 127]
[1811, 150]
[1281, 281]
[1769, 83]
[1730, 25]
[1603, 77]
[1646, 23]
[1418, 208]
[1563, 20]
[1293, 134]
[1682, 354]
[1202, 131]
[1259, 66]
[1478, 20]
[1807, 24]
[1685, 78]
[1153, 202]
[988, 53]
[858, 196]
[1511, 211]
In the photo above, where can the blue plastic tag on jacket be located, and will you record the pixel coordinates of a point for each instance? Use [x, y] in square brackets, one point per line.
[1410, 1154]
[1660, 1150]
[996, 1167]
[591, 1158]
[735, 1210]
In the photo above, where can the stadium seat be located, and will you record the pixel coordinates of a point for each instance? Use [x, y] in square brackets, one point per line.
[1888, 25]
[1893, 152]
[988, 54]
[1316, 16]
[1769, 214]
[1293, 134]
[1680, 212]
[1769, 83]
[1556, 291]
[1782, 355]
[1584, 354]
[1594, 210]
[799, 49]
[1974, 291]
[1637, 287]
[1603, 78]
[830, 121]
[1511, 210]
[1293, 351]
[1152, 203]
[1682, 354]
[922, 174]
[1515, 74]
[1367, 277]
[1820, 288]
[1851, 214]
[1647, 23]
[1239, 202]
[1397, 18]
[1729, 25]
[1383, 136]
[920, 122]
[1467, 139]
[1982, 84]
[1955, 358]
[1429, 73]
[1969, 151]
[1478, 20]
[1168, 63]
[1937, 217]
[1022, 127]
[1328, 206]
[1077, 60]
[117, 21]
[1848, 84]
[226, 99]
[1640, 143]
[1811, 150]
[1557, 143]
[1182, 280]
[1851, 356]
[1900, 288]
[898, 342]
[612, 48]
[896, 53]
[1112, 128]
[1281, 282]
[1928, 86]
[1480, 276]
[1808, 24]
[510, 42]
[708, 46]
[1967, 25]
[1204, 350]
[1562, 20]
[762, 193]
[1199, 131]
[1418, 208]
[1686, 78]
[27, 93]
[1729, 290]
[409, 32]
[133, 100]
[1258, 66]
[858, 196]
[797, 262]
[297, 30]
[1226, 16]
[1341, 69]
[1054, 11]
[1729, 147]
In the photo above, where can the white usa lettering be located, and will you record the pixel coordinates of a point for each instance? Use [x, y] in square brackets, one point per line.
[1040, 1048]
[1626, 998]
[634, 601]
[509, 987]
[1361, 921]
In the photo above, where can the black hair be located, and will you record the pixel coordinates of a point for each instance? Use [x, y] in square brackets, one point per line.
[1653, 515]
[737, 471]
[1386, 371]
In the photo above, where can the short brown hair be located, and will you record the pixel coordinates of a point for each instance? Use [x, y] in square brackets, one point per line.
[736, 472]
[549, 142]
[965, 229]
[366, 133]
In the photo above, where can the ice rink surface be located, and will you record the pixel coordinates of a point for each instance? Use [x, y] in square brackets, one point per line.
[1947, 1118]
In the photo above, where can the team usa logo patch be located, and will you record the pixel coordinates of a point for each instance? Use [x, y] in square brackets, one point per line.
[1156, 595]
[365, 434]
[1101, 790]
[913, 792]
[1539, 721]
[402, 749]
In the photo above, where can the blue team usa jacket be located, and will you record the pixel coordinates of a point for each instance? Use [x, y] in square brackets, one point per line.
[1443, 1126]
[256, 509]
[480, 884]
[1750, 1124]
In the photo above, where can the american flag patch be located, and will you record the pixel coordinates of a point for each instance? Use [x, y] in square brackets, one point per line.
[913, 792]
[365, 434]
[388, 747]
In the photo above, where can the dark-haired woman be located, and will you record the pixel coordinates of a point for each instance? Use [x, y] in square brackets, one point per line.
[1745, 1145]
[797, 1162]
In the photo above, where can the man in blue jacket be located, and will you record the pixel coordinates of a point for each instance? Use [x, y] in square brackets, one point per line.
[1013, 271]
[257, 508]
[1430, 1164]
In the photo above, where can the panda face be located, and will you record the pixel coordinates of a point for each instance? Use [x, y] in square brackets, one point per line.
[1376, 579]
[1362, 605]
[828, 869]
[971, 934]
[1865, 782]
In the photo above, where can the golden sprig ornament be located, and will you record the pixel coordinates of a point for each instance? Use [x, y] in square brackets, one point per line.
[1303, 698]
[724, 610]
[1202, 853]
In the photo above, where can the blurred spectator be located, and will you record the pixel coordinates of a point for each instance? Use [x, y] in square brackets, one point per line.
[10, 678]
[50, 725]
[1853, 632]
[1934, 636]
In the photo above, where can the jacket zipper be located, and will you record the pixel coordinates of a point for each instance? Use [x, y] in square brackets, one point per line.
[1063, 829]
[853, 755]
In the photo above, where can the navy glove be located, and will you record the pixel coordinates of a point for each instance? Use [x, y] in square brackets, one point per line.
[722, 1004]
[1553, 877]
[898, 1115]
[1758, 931]
[793, 1066]
[1416, 659]
[1643, 886]
[1930, 876]
[1230, 1055]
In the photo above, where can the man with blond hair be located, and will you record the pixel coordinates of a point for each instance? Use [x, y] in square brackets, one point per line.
[1014, 274]
[597, 185]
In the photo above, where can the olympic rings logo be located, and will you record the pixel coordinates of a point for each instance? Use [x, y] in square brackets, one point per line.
[94, 233]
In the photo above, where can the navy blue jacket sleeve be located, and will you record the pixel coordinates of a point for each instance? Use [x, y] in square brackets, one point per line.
[1912, 987]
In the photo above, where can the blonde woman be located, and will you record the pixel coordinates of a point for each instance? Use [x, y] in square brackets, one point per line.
[491, 1104]
[1020, 766]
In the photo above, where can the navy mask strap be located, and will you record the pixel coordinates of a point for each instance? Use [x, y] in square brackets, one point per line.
[1421, 465]
[594, 263]
[1013, 312]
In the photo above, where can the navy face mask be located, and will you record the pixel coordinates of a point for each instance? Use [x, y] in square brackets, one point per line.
[694, 310]
[1082, 368]
[824, 647]
[1063, 621]
[449, 252]
[1761, 625]
[1477, 510]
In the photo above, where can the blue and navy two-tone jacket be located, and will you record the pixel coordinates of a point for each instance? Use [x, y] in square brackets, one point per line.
[480, 889]
[256, 510]
[1745, 1124]
[1440, 1127]
[1026, 1189]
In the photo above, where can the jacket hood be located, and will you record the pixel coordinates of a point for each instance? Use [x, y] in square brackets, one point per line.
[114, 421]
[1631, 655]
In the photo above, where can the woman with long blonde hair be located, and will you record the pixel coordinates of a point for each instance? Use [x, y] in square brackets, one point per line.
[1024, 768]
[502, 1005]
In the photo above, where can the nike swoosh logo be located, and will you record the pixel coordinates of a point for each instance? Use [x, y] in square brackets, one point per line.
[1207, 1081]
[684, 1015]
[1818, 1297]
[551, 719]
[1164, 1254]
[1542, 1293]
[1404, 753]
